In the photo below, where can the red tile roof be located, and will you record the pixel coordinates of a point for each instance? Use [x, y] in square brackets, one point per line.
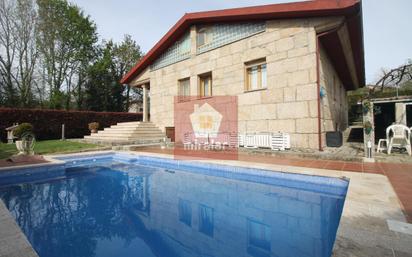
[317, 8]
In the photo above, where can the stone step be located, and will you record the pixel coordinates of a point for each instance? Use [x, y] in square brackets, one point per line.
[113, 135]
[146, 125]
[137, 131]
[133, 122]
[134, 132]
[108, 138]
[119, 142]
[129, 129]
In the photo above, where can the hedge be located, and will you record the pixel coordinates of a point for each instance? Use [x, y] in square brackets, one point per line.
[47, 123]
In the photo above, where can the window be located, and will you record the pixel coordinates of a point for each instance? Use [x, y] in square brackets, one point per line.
[184, 89]
[204, 36]
[206, 220]
[205, 85]
[259, 238]
[185, 212]
[256, 77]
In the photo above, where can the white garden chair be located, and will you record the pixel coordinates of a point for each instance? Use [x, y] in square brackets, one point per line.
[279, 142]
[250, 141]
[398, 135]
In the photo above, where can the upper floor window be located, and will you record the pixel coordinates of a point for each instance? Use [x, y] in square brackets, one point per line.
[206, 220]
[204, 36]
[256, 77]
[185, 212]
[184, 89]
[205, 85]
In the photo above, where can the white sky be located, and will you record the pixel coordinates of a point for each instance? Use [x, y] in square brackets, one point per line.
[387, 24]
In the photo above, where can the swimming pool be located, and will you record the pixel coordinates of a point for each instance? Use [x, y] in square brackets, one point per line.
[128, 205]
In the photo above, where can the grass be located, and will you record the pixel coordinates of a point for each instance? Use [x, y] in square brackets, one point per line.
[47, 147]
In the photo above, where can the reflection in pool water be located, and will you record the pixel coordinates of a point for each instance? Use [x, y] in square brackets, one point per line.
[117, 209]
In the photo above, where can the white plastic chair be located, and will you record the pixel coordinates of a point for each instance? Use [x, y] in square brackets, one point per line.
[250, 141]
[279, 142]
[382, 145]
[400, 137]
[263, 139]
[187, 139]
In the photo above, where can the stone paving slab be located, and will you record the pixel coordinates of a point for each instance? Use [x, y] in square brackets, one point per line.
[399, 226]
[13, 243]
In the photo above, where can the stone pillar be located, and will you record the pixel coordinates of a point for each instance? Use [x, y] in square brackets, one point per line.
[400, 113]
[369, 139]
[145, 102]
[193, 40]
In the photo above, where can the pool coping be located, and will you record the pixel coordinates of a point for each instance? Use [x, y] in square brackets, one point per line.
[363, 231]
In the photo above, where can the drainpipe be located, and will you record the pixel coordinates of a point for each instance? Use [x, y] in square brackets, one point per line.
[318, 90]
[318, 79]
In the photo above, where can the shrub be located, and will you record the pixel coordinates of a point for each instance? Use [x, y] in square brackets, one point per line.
[94, 126]
[47, 124]
[23, 129]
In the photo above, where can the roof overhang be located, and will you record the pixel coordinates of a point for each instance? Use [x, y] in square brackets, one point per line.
[350, 9]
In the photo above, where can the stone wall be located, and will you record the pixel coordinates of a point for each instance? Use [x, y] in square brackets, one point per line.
[334, 106]
[289, 104]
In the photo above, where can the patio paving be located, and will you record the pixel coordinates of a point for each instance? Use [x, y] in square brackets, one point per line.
[399, 174]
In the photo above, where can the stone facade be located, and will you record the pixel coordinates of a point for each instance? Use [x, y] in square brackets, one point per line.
[334, 107]
[290, 101]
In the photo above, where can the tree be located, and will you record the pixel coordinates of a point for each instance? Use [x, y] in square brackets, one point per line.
[18, 51]
[394, 78]
[7, 50]
[125, 55]
[66, 40]
[103, 89]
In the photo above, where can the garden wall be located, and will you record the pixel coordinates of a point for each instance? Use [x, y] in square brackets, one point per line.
[47, 123]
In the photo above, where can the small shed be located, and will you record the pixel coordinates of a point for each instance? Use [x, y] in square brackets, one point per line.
[388, 111]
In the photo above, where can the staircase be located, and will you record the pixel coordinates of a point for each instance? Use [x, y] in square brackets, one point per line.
[127, 133]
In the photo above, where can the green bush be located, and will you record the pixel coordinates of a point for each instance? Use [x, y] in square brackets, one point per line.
[23, 129]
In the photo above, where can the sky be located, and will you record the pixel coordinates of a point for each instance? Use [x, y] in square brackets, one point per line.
[387, 24]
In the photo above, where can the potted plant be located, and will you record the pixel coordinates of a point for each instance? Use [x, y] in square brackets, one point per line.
[366, 107]
[93, 127]
[368, 127]
[25, 138]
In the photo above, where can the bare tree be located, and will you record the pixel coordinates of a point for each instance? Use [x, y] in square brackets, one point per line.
[394, 78]
[7, 49]
[18, 50]
[26, 49]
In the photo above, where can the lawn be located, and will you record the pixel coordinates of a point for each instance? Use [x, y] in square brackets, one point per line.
[47, 147]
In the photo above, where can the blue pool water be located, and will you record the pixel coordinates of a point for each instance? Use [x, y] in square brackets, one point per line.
[119, 205]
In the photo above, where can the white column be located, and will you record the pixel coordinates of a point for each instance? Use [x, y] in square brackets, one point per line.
[145, 103]
[400, 113]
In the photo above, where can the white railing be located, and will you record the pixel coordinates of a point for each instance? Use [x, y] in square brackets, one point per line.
[275, 141]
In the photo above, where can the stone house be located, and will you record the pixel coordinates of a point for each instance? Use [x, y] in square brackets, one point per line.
[289, 64]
